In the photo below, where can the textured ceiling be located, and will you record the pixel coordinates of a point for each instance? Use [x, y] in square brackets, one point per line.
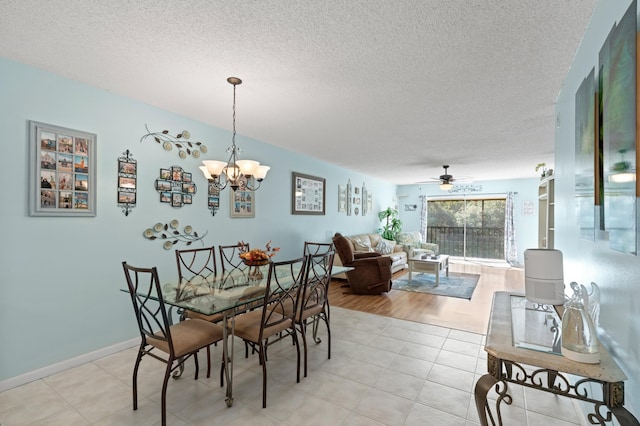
[392, 89]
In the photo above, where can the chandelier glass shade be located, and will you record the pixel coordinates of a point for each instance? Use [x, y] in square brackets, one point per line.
[234, 172]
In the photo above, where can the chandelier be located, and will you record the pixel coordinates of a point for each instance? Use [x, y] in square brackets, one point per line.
[234, 172]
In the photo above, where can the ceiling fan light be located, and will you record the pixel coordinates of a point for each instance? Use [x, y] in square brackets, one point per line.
[446, 186]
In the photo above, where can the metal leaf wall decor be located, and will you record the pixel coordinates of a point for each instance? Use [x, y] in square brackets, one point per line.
[185, 147]
[169, 233]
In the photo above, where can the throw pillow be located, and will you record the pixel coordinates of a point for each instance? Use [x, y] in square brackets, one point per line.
[385, 246]
[361, 245]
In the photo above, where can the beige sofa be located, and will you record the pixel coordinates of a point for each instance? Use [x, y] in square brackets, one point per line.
[372, 243]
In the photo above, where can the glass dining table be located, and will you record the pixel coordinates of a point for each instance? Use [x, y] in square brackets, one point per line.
[228, 294]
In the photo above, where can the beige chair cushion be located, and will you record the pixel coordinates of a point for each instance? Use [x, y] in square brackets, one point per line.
[247, 326]
[189, 336]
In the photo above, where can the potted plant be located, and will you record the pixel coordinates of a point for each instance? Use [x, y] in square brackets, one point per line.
[542, 166]
[392, 226]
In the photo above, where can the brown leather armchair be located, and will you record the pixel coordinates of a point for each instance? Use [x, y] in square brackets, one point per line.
[371, 272]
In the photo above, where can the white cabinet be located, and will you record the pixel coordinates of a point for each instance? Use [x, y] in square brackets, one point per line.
[546, 205]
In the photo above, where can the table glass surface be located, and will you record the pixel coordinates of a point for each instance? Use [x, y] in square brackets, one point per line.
[227, 291]
[535, 326]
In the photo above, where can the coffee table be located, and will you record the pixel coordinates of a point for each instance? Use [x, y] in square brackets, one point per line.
[427, 264]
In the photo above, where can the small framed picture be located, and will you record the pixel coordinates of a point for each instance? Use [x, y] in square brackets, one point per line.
[127, 167]
[126, 197]
[242, 202]
[176, 174]
[126, 182]
[176, 199]
[62, 171]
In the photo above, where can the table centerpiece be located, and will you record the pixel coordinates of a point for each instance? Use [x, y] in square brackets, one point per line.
[255, 258]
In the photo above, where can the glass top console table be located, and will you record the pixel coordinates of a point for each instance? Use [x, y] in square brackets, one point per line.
[523, 347]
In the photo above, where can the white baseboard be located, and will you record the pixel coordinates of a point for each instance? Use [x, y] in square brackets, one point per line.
[66, 364]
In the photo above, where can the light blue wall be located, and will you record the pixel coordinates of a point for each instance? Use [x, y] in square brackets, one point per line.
[616, 273]
[60, 277]
[526, 192]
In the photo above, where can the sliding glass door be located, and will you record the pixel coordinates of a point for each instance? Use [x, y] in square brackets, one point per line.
[467, 227]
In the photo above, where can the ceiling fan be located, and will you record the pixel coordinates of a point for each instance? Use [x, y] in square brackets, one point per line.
[446, 180]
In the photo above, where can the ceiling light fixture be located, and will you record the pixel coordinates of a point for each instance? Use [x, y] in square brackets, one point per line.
[446, 186]
[235, 173]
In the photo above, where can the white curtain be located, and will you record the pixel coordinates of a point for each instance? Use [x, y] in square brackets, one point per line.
[423, 218]
[510, 247]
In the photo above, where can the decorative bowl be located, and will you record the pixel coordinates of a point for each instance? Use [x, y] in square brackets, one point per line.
[256, 262]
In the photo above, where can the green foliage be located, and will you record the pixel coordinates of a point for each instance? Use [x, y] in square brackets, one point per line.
[477, 213]
[392, 226]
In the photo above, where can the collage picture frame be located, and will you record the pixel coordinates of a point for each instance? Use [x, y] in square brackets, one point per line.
[307, 194]
[176, 187]
[62, 165]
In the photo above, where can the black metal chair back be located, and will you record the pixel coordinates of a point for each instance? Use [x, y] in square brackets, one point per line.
[284, 283]
[317, 248]
[230, 258]
[314, 299]
[150, 311]
[316, 286]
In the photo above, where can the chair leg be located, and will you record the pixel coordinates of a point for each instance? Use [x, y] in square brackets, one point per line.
[223, 365]
[208, 361]
[195, 357]
[163, 404]
[303, 332]
[295, 339]
[135, 377]
[263, 361]
[326, 321]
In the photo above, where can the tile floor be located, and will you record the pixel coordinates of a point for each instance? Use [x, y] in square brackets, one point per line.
[383, 371]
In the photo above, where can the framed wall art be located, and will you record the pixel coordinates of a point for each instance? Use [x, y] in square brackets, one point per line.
[175, 186]
[307, 194]
[342, 199]
[617, 80]
[213, 198]
[62, 164]
[127, 182]
[349, 201]
[243, 201]
[365, 194]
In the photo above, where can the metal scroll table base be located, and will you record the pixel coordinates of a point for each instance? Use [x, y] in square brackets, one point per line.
[502, 372]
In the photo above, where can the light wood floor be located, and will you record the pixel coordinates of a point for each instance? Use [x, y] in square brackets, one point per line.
[461, 314]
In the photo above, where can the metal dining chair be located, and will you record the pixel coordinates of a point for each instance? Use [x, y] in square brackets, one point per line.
[317, 248]
[276, 316]
[233, 268]
[172, 344]
[314, 300]
[195, 267]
